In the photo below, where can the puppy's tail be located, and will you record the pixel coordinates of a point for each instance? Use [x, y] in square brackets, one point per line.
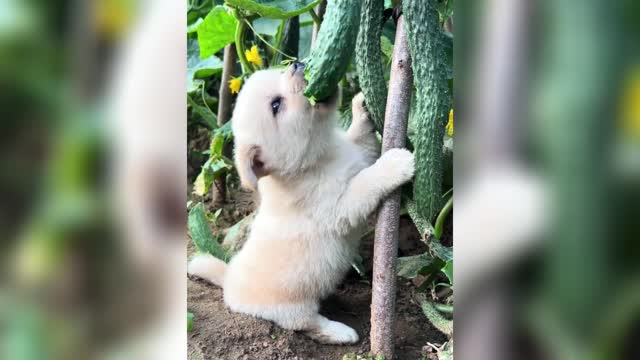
[207, 267]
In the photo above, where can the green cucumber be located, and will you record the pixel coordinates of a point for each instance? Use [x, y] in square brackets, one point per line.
[369, 61]
[433, 102]
[333, 49]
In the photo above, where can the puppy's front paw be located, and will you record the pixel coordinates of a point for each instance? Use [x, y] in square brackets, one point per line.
[358, 105]
[399, 163]
[361, 117]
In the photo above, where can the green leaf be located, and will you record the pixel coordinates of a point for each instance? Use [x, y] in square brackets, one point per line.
[357, 264]
[214, 217]
[217, 144]
[201, 235]
[194, 27]
[275, 9]
[216, 31]
[218, 166]
[441, 251]
[237, 235]
[390, 4]
[198, 67]
[207, 115]
[200, 186]
[190, 319]
[448, 270]
[387, 48]
[225, 131]
[410, 266]
[267, 26]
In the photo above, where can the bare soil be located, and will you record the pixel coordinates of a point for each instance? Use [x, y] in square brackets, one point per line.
[220, 334]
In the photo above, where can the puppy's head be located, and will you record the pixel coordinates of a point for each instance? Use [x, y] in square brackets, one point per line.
[276, 130]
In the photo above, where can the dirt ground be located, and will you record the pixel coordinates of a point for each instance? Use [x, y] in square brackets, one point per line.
[220, 334]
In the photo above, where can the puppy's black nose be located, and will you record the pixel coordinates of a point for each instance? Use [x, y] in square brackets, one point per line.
[296, 66]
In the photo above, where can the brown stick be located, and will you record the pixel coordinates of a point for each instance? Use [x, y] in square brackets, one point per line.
[224, 98]
[224, 114]
[385, 248]
[320, 9]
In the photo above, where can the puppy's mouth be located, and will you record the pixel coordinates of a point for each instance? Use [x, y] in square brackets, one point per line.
[297, 77]
[297, 71]
[330, 101]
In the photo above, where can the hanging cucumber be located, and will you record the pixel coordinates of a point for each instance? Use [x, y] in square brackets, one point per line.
[369, 60]
[433, 102]
[333, 48]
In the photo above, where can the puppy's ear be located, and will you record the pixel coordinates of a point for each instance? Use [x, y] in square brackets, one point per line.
[250, 165]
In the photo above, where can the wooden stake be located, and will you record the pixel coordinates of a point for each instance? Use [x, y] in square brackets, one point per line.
[224, 114]
[385, 249]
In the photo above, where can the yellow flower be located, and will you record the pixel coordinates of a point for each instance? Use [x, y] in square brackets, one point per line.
[253, 56]
[234, 85]
[112, 18]
[631, 106]
[449, 126]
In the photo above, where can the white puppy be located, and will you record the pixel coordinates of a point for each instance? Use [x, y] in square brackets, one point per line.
[317, 185]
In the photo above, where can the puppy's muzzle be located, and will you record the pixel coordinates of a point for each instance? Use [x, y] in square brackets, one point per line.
[297, 68]
[297, 81]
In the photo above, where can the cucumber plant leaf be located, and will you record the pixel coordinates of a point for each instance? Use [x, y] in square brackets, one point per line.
[411, 266]
[197, 67]
[447, 269]
[194, 27]
[441, 251]
[216, 165]
[207, 115]
[217, 30]
[201, 235]
[275, 9]
[267, 26]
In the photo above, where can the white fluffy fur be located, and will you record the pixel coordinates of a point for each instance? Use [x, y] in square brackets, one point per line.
[317, 186]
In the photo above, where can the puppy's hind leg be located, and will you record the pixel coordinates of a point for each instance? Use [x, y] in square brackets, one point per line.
[207, 267]
[304, 317]
[331, 332]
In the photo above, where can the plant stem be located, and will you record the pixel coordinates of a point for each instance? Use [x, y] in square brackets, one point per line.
[225, 96]
[385, 248]
[442, 216]
[204, 101]
[443, 308]
[224, 115]
[279, 42]
[265, 41]
[315, 17]
[240, 31]
[290, 38]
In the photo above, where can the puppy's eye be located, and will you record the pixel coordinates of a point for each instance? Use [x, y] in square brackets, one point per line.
[275, 105]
